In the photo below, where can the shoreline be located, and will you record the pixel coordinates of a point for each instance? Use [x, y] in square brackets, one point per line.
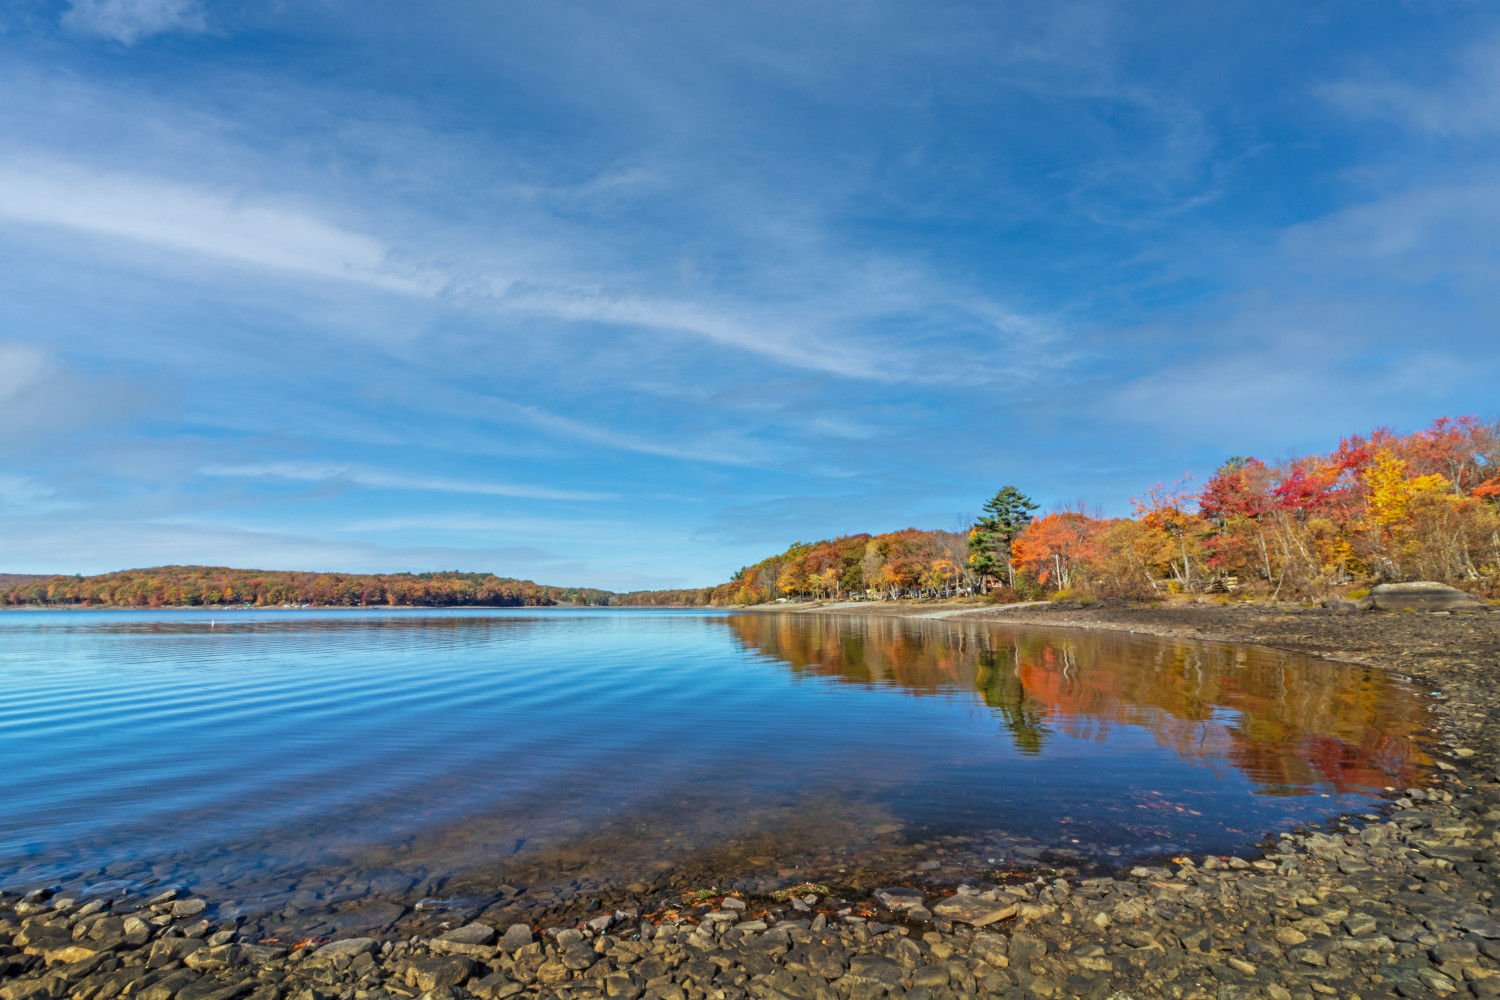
[1399, 903]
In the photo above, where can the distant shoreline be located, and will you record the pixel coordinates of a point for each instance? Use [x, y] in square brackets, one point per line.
[227, 608]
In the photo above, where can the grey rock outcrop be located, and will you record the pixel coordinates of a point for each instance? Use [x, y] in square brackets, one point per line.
[1422, 596]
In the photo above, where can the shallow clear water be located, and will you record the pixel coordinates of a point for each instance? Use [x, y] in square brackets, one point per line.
[286, 762]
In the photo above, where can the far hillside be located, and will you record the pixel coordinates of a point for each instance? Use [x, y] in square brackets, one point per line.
[177, 586]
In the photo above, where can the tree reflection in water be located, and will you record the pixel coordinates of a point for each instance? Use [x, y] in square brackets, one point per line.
[1290, 724]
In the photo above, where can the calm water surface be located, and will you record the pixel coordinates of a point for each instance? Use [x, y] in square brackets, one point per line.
[286, 762]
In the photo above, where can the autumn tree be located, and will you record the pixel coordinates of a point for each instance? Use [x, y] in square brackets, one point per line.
[1057, 548]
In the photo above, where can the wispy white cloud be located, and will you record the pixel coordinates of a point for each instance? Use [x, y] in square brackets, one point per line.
[20, 494]
[1441, 230]
[725, 448]
[194, 219]
[374, 479]
[819, 328]
[21, 365]
[1463, 105]
[130, 21]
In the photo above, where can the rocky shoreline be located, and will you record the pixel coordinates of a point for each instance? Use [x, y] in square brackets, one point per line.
[1396, 902]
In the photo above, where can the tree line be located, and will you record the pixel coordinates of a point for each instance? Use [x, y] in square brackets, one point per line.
[1382, 507]
[190, 586]
[1378, 507]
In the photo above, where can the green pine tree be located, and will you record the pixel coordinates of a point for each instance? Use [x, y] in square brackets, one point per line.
[1005, 515]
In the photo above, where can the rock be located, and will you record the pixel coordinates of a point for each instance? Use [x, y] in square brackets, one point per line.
[991, 948]
[1025, 947]
[168, 950]
[899, 898]
[259, 954]
[516, 936]
[1479, 923]
[870, 968]
[1290, 936]
[371, 916]
[552, 973]
[1454, 951]
[470, 934]
[579, 957]
[221, 957]
[40, 939]
[497, 986]
[974, 910]
[931, 976]
[216, 989]
[621, 985]
[1340, 607]
[346, 948]
[168, 986]
[1422, 596]
[1308, 956]
[474, 940]
[436, 973]
[188, 908]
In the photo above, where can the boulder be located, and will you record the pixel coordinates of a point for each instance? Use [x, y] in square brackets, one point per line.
[1422, 596]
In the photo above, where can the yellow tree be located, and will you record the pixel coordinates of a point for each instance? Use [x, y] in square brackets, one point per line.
[1390, 493]
[939, 572]
[1164, 510]
[828, 581]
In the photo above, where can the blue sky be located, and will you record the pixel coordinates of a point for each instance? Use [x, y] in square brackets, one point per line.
[633, 294]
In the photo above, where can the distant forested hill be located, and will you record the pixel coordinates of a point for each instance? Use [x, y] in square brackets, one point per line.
[690, 598]
[214, 585]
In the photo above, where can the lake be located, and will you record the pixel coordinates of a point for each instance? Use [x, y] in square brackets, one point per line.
[325, 771]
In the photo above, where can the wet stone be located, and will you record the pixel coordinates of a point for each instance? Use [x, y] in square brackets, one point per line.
[435, 973]
[579, 957]
[869, 968]
[974, 910]
[346, 948]
[516, 936]
[470, 934]
[930, 976]
[899, 898]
